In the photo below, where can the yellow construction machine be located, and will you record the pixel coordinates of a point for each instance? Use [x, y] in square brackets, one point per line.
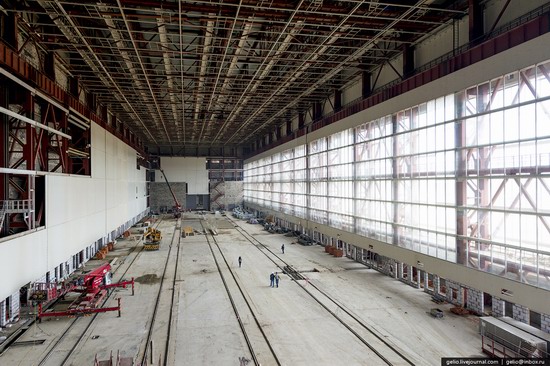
[151, 239]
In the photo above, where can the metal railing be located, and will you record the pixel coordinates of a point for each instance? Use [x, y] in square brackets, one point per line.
[15, 206]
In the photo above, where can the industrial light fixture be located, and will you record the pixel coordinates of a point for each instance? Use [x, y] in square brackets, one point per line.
[33, 122]
[78, 119]
[419, 264]
[77, 153]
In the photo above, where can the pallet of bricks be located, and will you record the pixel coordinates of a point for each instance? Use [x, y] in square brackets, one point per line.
[334, 251]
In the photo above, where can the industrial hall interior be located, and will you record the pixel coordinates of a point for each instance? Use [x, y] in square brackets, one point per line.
[274, 182]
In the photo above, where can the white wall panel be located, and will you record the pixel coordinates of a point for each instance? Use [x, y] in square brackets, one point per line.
[97, 151]
[352, 91]
[441, 43]
[22, 260]
[79, 211]
[68, 197]
[513, 11]
[190, 170]
[70, 238]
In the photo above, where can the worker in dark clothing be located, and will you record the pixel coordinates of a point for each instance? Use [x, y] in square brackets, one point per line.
[271, 279]
[283, 248]
[240, 261]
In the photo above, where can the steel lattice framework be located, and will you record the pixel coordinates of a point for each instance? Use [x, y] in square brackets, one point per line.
[223, 73]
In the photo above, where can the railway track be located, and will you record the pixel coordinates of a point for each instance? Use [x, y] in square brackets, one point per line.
[160, 327]
[388, 353]
[259, 346]
[62, 357]
[154, 349]
[157, 349]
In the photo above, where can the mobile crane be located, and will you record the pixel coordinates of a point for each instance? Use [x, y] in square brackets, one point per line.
[177, 205]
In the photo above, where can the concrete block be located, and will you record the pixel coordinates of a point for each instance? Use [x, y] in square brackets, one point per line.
[498, 307]
[520, 313]
[475, 301]
[453, 287]
[545, 323]
[160, 195]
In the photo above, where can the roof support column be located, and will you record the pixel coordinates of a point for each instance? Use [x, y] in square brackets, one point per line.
[63, 144]
[9, 31]
[91, 101]
[49, 65]
[317, 110]
[366, 86]
[397, 231]
[337, 100]
[484, 98]
[475, 26]
[4, 152]
[73, 86]
[408, 60]
[461, 184]
[301, 120]
[36, 143]
[105, 114]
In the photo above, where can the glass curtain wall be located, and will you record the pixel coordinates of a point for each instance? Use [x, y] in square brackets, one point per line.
[464, 177]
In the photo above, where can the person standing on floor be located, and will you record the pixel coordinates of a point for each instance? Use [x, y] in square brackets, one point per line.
[283, 248]
[240, 261]
[276, 279]
[271, 279]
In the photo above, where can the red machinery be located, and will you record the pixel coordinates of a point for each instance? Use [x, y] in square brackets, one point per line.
[93, 287]
[177, 205]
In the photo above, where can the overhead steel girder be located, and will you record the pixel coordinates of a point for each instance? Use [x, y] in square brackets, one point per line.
[226, 50]
[145, 73]
[231, 71]
[328, 12]
[70, 30]
[168, 68]
[329, 75]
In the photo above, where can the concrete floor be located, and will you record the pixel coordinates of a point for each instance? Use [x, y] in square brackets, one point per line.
[202, 328]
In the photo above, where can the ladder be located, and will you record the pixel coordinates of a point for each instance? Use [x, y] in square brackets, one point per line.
[3, 212]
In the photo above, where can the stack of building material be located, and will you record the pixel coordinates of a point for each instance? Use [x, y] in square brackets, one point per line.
[334, 251]
[459, 310]
[188, 231]
[102, 253]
